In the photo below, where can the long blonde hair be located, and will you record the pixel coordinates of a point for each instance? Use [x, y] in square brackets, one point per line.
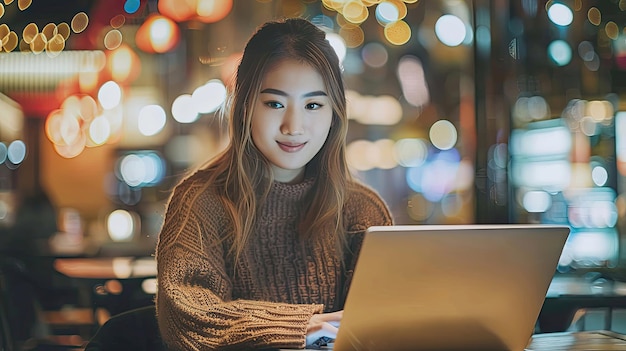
[241, 175]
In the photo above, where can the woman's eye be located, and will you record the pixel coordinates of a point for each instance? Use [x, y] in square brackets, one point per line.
[313, 106]
[274, 104]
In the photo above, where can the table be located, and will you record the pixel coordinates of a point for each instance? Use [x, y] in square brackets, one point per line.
[569, 293]
[110, 285]
[600, 340]
[107, 267]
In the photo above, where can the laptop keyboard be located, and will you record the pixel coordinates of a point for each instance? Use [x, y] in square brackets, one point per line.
[588, 341]
[322, 342]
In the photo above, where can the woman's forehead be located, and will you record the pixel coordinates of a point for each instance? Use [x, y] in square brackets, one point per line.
[293, 74]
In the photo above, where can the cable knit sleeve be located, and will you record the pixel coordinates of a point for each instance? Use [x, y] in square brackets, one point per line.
[195, 308]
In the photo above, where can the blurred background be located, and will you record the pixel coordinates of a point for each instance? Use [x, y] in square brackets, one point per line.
[461, 111]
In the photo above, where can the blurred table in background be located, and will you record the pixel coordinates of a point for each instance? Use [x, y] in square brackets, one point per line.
[111, 285]
[107, 267]
[568, 294]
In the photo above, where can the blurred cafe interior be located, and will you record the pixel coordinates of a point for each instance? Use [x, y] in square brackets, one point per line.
[461, 111]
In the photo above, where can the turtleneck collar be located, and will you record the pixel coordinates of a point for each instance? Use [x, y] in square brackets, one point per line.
[288, 191]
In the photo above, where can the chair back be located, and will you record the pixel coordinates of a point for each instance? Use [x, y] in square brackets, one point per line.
[136, 330]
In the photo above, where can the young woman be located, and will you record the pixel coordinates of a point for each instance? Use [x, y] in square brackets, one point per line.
[258, 247]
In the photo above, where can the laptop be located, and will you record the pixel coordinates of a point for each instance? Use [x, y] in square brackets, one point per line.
[449, 287]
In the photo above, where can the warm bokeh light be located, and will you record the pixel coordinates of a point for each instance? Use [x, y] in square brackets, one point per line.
[55, 45]
[49, 30]
[99, 130]
[594, 16]
[123, 64]
[410, 152]
[4, 31]
[117, 21]
[113, 39]
[29, 32]
[352, 35]
[87, 108]
[158, 34]
[443, 134]
[612, 30]
[354, 12]
[120, 225]
[74, 149]
[79, 23]
[149, 286]
[177, 10]
[109, 95]
[397, 33]
[209, 97]
[373, 110]
[38, 44]
[385, 151]
[210, 11]
[10, 41]
[64, 30]
[23, 4]
[361, 155]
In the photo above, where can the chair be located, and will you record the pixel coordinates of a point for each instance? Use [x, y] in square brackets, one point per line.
[136, 330]
[21, 324]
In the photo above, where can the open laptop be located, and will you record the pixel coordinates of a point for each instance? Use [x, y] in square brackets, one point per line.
[442, 287]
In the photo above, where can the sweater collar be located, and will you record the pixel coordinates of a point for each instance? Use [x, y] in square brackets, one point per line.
[292, 191]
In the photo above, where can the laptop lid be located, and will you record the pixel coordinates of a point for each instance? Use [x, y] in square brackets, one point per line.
[440, 287]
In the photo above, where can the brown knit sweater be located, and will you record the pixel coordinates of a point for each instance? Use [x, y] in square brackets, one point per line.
[204, 303]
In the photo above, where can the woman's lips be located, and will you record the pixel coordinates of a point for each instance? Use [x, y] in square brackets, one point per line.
[290, 147]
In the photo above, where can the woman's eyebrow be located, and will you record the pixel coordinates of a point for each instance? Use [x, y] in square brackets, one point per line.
[282, 93]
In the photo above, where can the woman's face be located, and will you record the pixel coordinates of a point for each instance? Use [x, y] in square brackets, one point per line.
[291, 119]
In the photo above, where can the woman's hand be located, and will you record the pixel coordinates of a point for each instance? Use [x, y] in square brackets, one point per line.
[323, 325]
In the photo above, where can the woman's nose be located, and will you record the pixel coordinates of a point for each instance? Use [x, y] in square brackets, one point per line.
[292, 123]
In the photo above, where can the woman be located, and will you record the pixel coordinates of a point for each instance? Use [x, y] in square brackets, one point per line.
[258, 247]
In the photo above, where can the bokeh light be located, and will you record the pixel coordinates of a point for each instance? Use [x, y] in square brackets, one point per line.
[16, 152]
[120, 225]
[560, 52]
[184, 110]
[209, 97]
[151, 120]
[141, 169]
[443, 135]
[109, 95]
[560, 14]
[450, 30]
[338, 44]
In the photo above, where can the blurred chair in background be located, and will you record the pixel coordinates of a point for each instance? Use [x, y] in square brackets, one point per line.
[135, 330]
[24, 326]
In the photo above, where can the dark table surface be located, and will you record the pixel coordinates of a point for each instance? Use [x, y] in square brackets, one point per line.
[569, 293]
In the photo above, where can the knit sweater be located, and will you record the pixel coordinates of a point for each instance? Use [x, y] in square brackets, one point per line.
[206, 301]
